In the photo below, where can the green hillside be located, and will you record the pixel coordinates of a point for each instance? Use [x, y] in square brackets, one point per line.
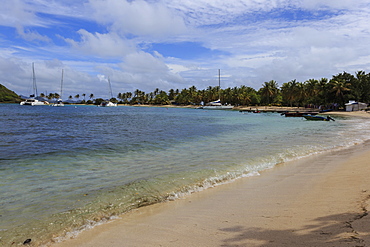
[7, 96]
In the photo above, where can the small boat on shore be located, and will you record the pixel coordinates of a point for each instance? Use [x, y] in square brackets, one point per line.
[318, 118]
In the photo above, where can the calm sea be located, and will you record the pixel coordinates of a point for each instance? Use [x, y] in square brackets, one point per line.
[64, 169]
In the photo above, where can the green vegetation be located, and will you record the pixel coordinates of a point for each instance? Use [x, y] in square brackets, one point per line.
[7, 96]
[324, 92]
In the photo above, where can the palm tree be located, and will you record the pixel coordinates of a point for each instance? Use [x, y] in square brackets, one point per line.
[137, 93]
[311, 90]
[211, 94]
[227, 96]
[50, 96]
[360, 86]
[151, 96]
[183, 97]
[171, 94]
[241, 97]
[202, 95]
[339, 87]
[356, 85]
[139, 97]
[269, 91]
[91, 96]
[302, 94]
[129, 95]
[193, 94]
[322, 91]
[289, 92]
[161, 98]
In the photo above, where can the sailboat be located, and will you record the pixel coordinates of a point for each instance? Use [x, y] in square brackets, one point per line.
[216, 105]
[108, 103]
[32, 101]
[59, 101]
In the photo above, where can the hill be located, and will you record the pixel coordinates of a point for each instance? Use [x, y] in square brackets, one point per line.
[8, 96]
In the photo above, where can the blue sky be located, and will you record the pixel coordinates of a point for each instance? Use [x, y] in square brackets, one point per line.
[176, 44]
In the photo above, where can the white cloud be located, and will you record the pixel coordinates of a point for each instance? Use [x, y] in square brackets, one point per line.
[253, 45]
[104, 45]
[30, 35]
[148, 71]
[283, 50]
[142, 62]
[333, 4]
[19, 14]
[177, 68]
[137, 17]
[15, 13]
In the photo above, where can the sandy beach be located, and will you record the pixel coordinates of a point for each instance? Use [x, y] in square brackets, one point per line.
[321, 200]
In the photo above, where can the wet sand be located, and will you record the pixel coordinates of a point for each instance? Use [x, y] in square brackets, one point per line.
[321, 200]
[317, 201]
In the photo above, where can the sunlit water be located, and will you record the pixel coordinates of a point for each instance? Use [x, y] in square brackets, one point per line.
[66, 168]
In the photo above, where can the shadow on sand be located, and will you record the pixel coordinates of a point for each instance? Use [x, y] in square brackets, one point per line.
[334, 230]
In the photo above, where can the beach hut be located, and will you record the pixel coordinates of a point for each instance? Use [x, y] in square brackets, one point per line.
[355, 106]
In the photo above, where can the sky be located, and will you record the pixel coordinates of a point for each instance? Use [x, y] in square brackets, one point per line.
[176, 44]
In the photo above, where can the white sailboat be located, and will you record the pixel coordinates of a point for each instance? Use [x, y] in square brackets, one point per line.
[59, 101]
[108, 103]
[216, 105]
[32, 101]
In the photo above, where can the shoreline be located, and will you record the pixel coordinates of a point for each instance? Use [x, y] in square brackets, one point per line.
[361, 113]
[321, 200]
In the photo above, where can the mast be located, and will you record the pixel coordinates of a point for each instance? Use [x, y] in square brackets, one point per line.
[110, 88]
[219, 84]
[61, 85]
[34, 81]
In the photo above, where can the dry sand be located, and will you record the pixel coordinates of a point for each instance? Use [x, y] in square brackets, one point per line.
[322, 200]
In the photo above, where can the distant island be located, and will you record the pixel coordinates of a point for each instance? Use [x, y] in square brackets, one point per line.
[8, 96]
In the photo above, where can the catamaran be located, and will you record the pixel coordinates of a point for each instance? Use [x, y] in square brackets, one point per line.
[32, 101]
[59, 101]
[216, 105]
[108, 103]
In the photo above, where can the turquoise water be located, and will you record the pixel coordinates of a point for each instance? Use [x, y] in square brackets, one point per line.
[66, 168]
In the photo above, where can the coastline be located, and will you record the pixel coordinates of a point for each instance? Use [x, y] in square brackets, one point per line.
[322, 200]
[361, 113]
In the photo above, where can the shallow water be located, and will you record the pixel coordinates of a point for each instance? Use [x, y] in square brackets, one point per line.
[65, 168]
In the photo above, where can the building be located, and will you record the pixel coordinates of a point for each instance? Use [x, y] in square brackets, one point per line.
[355, 106]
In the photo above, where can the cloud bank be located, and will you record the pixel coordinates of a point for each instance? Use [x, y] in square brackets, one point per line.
[179, 43]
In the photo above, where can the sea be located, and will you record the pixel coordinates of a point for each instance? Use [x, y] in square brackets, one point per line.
[67, 169]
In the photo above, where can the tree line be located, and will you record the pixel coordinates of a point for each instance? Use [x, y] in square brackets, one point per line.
[52, 96]
[323, 92]
[338, 90]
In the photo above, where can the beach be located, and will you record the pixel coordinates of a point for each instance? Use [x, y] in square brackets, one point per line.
[321, 200]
